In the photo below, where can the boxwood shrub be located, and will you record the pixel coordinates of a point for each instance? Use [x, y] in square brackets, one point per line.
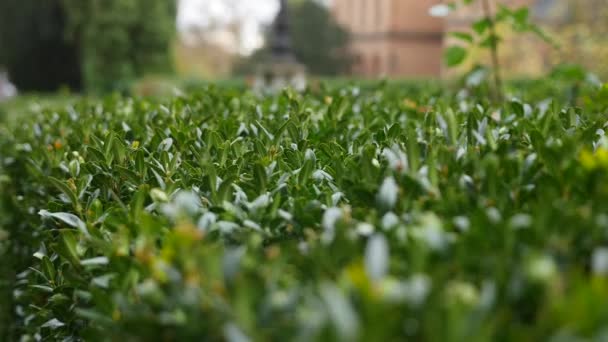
[344, 213]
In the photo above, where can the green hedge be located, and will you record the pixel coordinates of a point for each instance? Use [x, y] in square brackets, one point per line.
[341, 214]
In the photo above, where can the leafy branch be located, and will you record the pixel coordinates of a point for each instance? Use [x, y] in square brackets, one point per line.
[484, 35]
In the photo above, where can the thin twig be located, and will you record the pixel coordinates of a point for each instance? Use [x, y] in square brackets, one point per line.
[494, 51]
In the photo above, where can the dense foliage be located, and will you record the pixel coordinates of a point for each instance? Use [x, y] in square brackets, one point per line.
[100, 45]
[121, 40]
[33, 46]
[344, 213]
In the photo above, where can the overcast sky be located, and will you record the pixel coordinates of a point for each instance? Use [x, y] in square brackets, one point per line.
[202, 12]
[252, 13]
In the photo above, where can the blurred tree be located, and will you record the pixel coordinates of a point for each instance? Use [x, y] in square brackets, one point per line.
[318, 41]
[583, 33]
[99, 44]
[121, 39]
[33, 47]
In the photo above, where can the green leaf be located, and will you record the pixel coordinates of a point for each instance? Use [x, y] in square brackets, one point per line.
[140, 164]
[521, 16]
[137, 203]
[68, 246]
[455, 55]
[482, 25]
[67, 218]
[394, 131]
[53, 324]
[259, 175]
[305, 172]
[65, 189]
[97, 261]
[223, 193]
[517, 108]
[464, 36]
[413, 150]
[491, 41]
[95, 155]
[43, 288]
[47, 268]
[108, 148]
[569, 72]
[279, 132]
[93, 315]
[504, 13]
[159, 179]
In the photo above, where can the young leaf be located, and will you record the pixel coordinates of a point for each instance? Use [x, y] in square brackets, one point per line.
[482, 25]
[464, 36]
[455, 55]
[65, 189]
[97, 261]
[48, 269]
[67, 218]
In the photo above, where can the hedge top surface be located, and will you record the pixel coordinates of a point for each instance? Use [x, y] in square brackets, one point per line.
[369, 214]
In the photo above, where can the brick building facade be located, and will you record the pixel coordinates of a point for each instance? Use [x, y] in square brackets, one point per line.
[399, 38]
[392, 37]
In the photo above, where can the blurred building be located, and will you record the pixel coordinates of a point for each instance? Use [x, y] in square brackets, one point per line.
[392, 37]
[399, 38]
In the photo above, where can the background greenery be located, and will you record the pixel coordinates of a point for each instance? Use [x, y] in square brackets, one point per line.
[98, 45]
[319, 43]
[33, 47]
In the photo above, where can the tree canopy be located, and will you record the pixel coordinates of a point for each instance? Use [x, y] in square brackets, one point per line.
[33, 47]
[318, 41]
[96, 44]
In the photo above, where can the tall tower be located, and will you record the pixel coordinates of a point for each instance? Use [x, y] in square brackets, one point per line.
[281, 68]
[281, 47]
